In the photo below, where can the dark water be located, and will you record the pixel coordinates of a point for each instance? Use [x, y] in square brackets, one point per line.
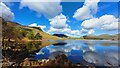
[95, 52]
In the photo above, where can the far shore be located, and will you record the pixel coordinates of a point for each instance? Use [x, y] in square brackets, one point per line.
[44, 40]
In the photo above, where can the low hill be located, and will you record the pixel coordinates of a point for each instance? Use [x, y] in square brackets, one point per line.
[103, 37]
[15, 31]
[60, 35]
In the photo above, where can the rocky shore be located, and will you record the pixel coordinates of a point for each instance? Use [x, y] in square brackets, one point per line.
[60, 60]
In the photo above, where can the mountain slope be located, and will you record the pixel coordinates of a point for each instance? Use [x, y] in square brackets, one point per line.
[13, 30]
[45, 35]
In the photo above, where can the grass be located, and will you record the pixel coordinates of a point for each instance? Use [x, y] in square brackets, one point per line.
[44, 35]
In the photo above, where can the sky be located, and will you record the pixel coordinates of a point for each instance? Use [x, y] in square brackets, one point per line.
[71, 18]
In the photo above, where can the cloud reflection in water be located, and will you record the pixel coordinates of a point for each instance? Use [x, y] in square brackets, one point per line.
[91, 53]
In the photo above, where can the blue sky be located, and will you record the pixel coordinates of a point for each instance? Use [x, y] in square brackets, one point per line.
[77, 16]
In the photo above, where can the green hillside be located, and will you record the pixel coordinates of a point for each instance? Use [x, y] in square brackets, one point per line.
[15, 31]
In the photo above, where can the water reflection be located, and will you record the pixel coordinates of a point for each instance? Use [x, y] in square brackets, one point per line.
[31, 46]
[18, 51]
[60, 44]
[107, 58]
[54, 54]
[90, 52]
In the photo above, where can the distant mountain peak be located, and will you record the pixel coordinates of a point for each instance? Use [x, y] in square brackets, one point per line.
[60, 35]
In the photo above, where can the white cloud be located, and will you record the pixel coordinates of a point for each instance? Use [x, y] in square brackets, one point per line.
[82, 13]
[5, 12]
[59, 22]
[105, 22]
[91, 23]
[84, 31]
[48, 9]
[90, 32]
[112, 26]
[75, 32]
[59, 31]
[42, 27]
[67, 31]
[108, 22]
[87, 31]
[59, 26]
[35, 25]
[87, 11]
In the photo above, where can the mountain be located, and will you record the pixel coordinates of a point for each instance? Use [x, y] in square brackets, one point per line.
[103, 37]
[60, 35]
[15, 31]
[109, 37]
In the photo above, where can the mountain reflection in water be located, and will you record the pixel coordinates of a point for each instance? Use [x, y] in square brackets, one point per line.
[60, 44]
[96, 52]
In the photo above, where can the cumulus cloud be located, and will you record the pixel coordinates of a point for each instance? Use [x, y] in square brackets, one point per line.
[67, 31]
[87, 11]
[87, 31]
[84, 31]
[75, 32]
[42, 27]
[59, 31]
[59, 22]
[105, 22]
[82, 13]
[46, 8]
[91, 32]
[5, 12]
[90, 24]
[59, 25]
[35, 25]
[108, 22]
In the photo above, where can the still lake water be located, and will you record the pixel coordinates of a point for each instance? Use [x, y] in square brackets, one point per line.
[86, 52]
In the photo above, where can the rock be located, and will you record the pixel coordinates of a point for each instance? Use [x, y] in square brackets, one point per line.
[60, 60]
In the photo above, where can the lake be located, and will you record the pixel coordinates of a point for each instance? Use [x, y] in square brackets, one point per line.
[86, 52]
